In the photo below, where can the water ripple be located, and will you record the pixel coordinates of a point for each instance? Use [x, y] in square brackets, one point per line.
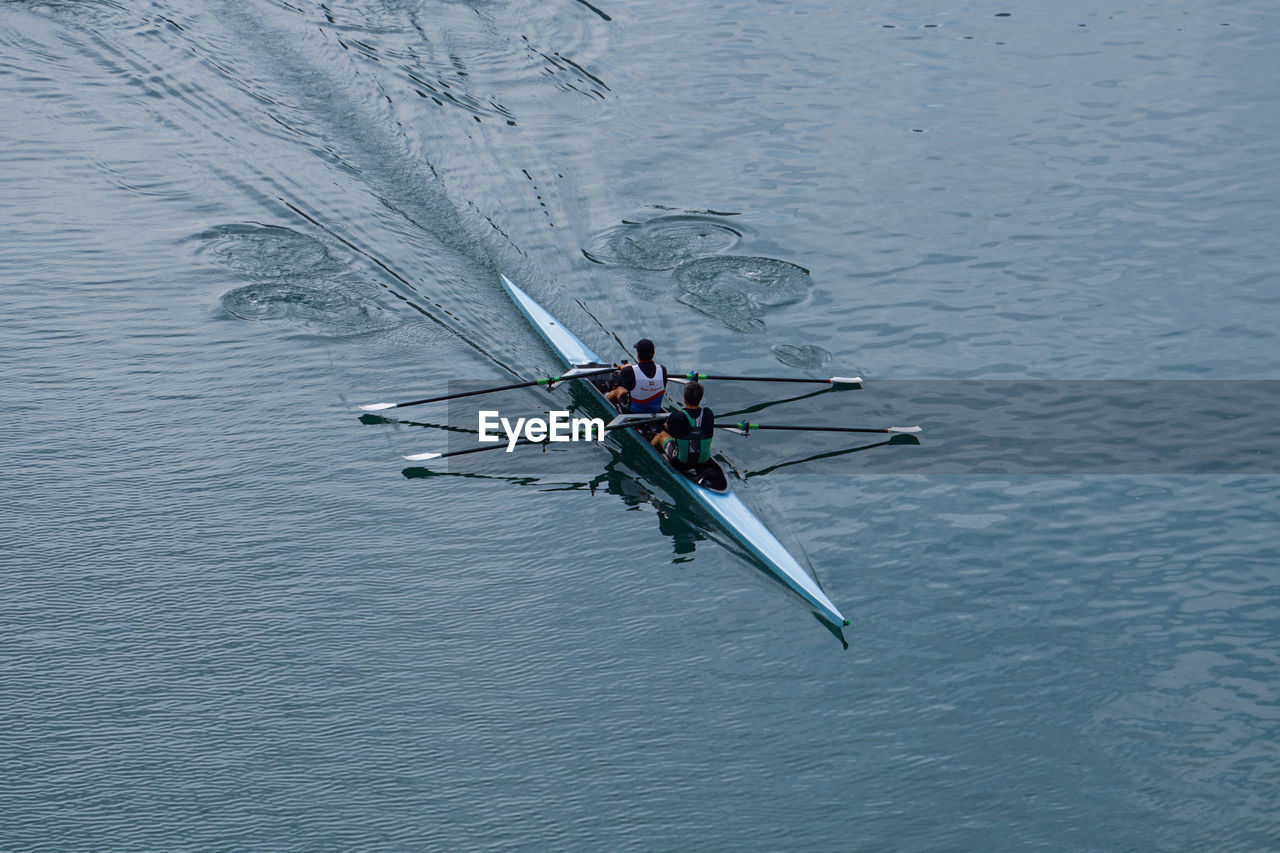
[269, 251]
[297, 282]
[803, 357]
[323, 311]
[663, 243]
[738, 291]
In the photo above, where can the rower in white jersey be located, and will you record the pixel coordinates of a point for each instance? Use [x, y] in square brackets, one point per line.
[644, 383]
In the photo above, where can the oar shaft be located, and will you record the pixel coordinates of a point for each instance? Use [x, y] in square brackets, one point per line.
[834, 380]
[444, 397]
[746, 427]
[546, 380]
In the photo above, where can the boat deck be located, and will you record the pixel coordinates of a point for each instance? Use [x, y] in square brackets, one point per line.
[708, 475]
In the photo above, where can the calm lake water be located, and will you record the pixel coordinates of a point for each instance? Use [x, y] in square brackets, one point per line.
[233, 618]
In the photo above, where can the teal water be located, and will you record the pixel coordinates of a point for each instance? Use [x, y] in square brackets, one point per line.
[234, 618]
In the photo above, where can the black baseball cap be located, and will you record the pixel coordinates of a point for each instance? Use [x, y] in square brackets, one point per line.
[644, 349]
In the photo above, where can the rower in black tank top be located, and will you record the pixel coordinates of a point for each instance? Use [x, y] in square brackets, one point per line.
[686, 437]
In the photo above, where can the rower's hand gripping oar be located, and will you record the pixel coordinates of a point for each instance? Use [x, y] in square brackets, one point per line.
[834, 381]
[549, 381]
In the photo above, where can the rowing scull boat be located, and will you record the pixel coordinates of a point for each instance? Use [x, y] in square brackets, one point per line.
[711, 493]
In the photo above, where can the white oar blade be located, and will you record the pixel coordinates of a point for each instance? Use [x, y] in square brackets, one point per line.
[423, 457]
[377, 407]
[846, 380]
[903, 429]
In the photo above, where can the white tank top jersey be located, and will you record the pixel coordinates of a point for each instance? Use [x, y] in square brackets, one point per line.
[648, 389]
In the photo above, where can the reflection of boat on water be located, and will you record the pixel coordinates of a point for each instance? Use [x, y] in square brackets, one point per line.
[708, 489]
[683, 525]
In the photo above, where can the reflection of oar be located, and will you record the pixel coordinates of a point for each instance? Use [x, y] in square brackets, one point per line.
[896, 440]
[637, 420]
[744, 428]
[501, 445]
[546, 380]
[620, 422]
[834, 381]
[372, 420]
[760, 407]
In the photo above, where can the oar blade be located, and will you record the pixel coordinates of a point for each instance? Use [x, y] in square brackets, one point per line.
[423, 457]
[377, 407]
[903, 429]
[839, 381]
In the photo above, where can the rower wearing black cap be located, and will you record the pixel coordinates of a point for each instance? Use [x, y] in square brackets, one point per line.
[644, 383]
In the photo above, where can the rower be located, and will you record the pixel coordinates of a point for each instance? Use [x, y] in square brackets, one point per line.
[686, 437]
[644, 383]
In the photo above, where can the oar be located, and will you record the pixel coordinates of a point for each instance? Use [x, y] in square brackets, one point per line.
[546, 380]
[744, 428]
[620, 422]
[834, 381]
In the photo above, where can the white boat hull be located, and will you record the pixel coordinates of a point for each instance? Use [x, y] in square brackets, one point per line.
[725, 507]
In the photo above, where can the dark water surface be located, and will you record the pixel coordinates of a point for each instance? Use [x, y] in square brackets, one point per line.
[232, 617]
